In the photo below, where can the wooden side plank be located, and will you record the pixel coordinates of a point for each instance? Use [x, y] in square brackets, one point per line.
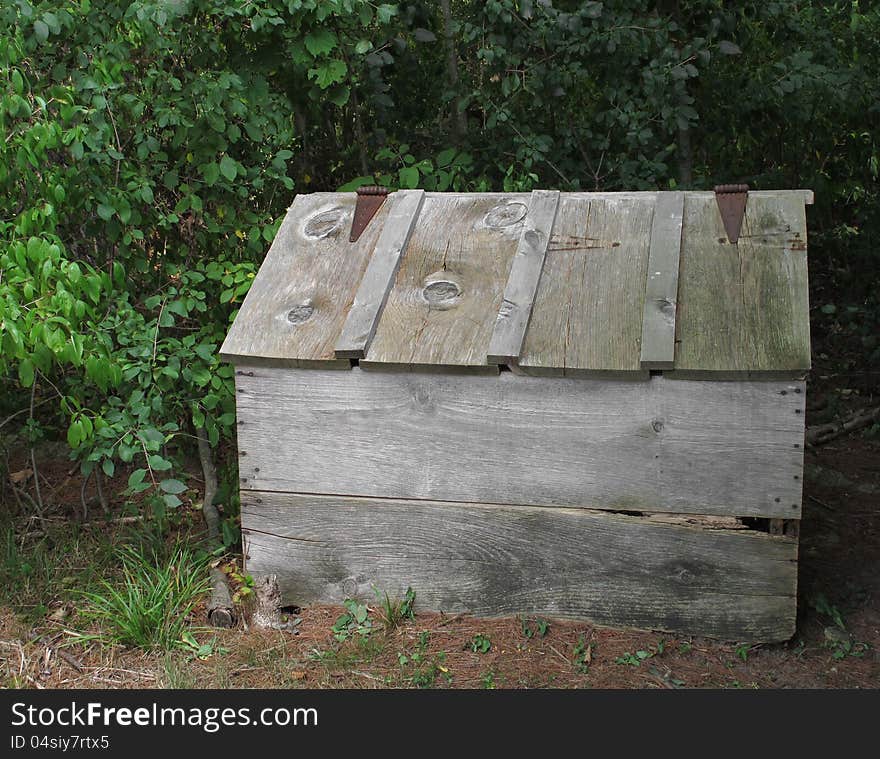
[363, 316]
[587, 315]
[522, 283]
[716, 448]
[504, 560]
[743, 308]
[298, 301]
[444, 301]
[661, 290]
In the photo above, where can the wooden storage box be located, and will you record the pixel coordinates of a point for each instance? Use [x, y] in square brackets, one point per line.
[583, 405]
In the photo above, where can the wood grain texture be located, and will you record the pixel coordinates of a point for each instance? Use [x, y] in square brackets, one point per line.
[805, 195]
[442, 307]
[504, 560]
[715, 448]
[744, 308]
[298, 302]
[587, 315]
[363, 316]
[522, 283]
[661, 289]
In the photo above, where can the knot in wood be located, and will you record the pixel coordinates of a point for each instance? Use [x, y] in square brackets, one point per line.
[325, 224]
[441, 293]
[657, 425]
[300, 314]
[505, 215]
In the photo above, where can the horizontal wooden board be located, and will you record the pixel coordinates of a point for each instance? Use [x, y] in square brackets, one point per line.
[442, 307]
[743, 308]
[502, 560]
[298, 302]
[587, 314]
[722, 448]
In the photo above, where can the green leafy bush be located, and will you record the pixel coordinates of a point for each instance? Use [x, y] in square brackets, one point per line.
[151, 147]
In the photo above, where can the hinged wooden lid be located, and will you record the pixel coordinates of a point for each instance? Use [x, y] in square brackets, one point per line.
[543, 282]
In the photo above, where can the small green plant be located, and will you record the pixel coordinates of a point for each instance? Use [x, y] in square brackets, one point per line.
[426, 669]
[582, 655]
[537, 626]
[150, 606]
[742, 651]
[821, 604]
[633, 660]
[355, 621]
[480, 644]
[202, 651]
[837, 638]
[394, 613]
[245, 585]
[636, 659]
[685, 648]
[487, 680]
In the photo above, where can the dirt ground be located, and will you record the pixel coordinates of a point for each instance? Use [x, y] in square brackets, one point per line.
[837, 644]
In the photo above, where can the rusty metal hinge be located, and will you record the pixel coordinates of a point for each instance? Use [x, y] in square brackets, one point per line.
[731, 200]
[369, 201]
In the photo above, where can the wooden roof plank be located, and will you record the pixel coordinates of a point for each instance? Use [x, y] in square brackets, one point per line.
[363, 317]
[744, 307]
[442, 307]
[298, 301]
[587, 315]
[661, 289]
[522, 283]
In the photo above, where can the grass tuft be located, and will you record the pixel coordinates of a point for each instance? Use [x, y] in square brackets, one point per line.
[150, 606]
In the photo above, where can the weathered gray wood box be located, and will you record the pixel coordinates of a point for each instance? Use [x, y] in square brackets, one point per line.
[584, 405]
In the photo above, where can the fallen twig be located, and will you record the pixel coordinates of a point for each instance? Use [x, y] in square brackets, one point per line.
[825, 433]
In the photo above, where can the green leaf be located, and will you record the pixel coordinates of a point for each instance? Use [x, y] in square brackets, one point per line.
[409, 177]
[328, 73]
[74, 434]
[355, 183]
[171, 500]
[108, 466]
[444, 157]
[228, 167]
[41, 30]
[136, 477]
[726, 47]
[26, 372]
[106, 212]
[339, 96]
[320, 41]
[385, 12]
[159, 464]
[363, 46]
[178, 307]
[166, 319]
[173, 486]
[211, 172]
[205, 351]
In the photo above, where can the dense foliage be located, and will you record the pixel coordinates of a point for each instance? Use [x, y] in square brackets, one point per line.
[150, 147]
